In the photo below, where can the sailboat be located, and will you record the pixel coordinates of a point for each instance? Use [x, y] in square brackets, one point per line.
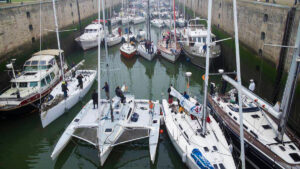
[116, 121]
[200, 144]
[127, 49]
[55, 104]
[270, 144]
[172, 51]
[157, 22]
[142, 47]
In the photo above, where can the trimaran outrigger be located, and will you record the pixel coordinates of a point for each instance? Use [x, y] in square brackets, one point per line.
[114, 122]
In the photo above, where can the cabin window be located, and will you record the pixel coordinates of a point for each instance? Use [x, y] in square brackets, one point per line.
[222, 166]
[27, 63]
[52, 75]
[13, 85]
[266, 126]
[43, 83]
[199, 39]
[23, 84]
[215, 148]
[48, 79]
[42, 62]
[234, 118]
[34, 63]
[292, 147]
[52, 62]
[33, 84]
[204, 39]
[245, 126]
[255, 116]
[282, 148]
[206, 149]
[295, 157]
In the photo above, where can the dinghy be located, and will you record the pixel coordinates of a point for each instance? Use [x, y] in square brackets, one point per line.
[55, 104]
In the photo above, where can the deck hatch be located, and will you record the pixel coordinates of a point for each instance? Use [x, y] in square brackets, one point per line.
[295, 157]
[206, 149]
[292, 147]
[108, 130]
[215, 148]
[255, 116]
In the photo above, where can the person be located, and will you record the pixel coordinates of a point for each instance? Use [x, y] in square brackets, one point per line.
[106, 89]
[252, 85]
[95, 98]
[72, 65]
[204, 48]
[130, 30]
[212, 88]
[151, 47]
[120, 31]
[223, 87]
[170, 96]
[167, 41]
[185, 95]
[151, 106]
[65, 89]
[181, 109]
[120, 94]
[80, 83]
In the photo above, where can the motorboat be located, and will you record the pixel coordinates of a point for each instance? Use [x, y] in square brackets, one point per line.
[41, 73]
[132, 121]
[126, 20]
[138, 19]
[115, 20]
[184, 127]
[157, 23]
[194, 45]
[89, 38]
[128, 50]
[55, 104]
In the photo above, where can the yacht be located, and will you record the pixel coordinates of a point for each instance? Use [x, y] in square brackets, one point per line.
[89, 39]
[41, 73]
[193, 43]
[138, 19]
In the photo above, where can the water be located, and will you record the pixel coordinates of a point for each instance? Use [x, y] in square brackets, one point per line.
[25, 144]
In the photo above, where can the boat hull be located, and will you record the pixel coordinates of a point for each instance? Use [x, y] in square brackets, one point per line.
[55, 112]
[141, 51]
[114, 42]
[254, 155]
[87, 44]
[128, 55]
[197, 60]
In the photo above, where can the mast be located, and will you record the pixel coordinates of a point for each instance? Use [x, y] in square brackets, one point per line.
[174, 24]
[237, 54]
[207, 65]
[106, 58]
[98, 86]
[289, 90]
[148, 22]
[184, 9]
[58, 41]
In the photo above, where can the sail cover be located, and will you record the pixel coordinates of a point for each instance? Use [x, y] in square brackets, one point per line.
[191, 107]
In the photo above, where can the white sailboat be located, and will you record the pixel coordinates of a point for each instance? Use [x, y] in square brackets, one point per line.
[170, 52]
[147, 49]
[55, 104]
[114, 38]
[200, 144]
[113, 123]
[158, 22]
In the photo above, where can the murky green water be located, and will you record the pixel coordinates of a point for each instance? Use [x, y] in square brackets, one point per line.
[25, 144]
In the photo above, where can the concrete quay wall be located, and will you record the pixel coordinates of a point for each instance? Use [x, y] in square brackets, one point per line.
[20, 25]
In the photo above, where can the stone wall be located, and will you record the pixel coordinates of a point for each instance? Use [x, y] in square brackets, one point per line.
[20, 25]
[259, 23]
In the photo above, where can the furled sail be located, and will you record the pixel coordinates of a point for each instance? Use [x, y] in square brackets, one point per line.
[192, 108]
